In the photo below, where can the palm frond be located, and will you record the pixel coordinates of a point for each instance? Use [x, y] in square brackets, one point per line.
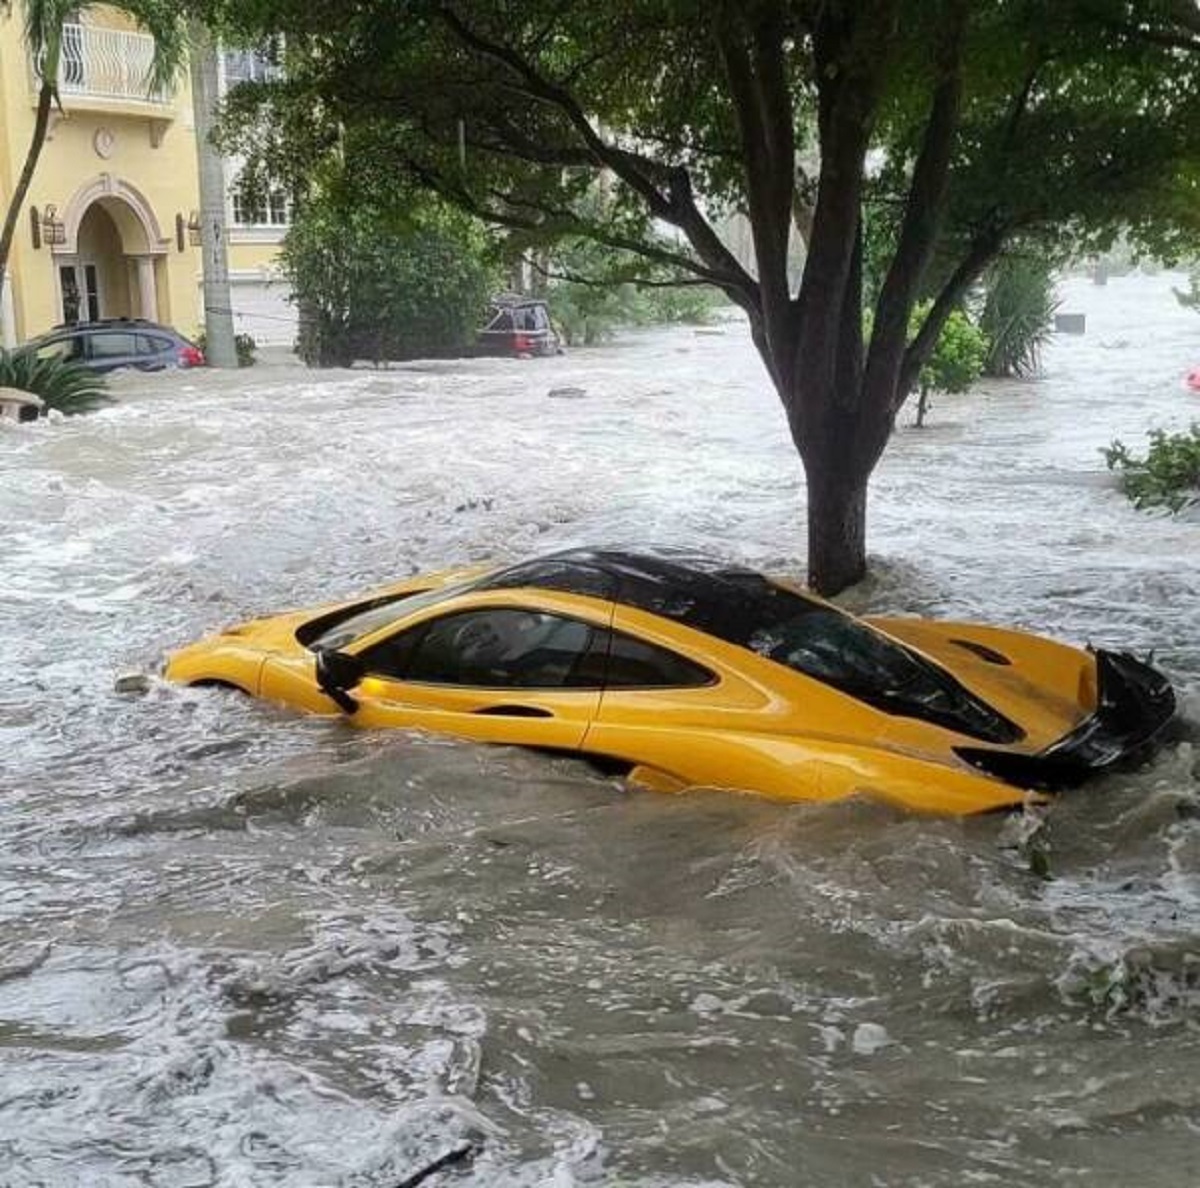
[62, 384]
[44, 20]
[1017, 315]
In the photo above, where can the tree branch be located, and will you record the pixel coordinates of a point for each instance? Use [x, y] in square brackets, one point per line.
[642, 282]
[922, 218]
[762, 105]
[984, 248]
[847, 98]
[536, 222]
[677, 206]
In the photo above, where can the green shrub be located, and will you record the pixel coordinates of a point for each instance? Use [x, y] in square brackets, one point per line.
[957, 359]
[62, 384]
[588, 314]
[243, 344]
[1169, 474]
[1017, 315]
[376, 285]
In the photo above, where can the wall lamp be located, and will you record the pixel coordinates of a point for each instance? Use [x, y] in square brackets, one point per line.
[46, 227]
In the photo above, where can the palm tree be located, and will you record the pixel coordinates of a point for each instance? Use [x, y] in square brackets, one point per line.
[44, 23]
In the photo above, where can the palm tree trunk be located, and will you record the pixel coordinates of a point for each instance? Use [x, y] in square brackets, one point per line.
[220, 346]
[21, 191]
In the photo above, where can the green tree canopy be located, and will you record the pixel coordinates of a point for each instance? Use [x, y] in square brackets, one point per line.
[958, 125]
[370, 285]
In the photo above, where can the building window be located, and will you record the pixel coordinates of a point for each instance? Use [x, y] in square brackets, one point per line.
[256, 65]
[271, 209]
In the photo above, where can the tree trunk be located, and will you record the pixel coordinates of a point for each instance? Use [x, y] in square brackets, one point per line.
[837, 525]
[21, 190]
[922, 405]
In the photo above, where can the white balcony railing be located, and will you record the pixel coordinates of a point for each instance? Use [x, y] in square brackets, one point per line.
[107, 64]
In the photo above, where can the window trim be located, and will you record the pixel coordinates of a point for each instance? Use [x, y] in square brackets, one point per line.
[425, 624]
[607, 630]
[714, 678]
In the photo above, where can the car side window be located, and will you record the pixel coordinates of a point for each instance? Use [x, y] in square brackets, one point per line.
[151, 344]
[112, 345]
[62, 348]
[635, 664]
[493, 648]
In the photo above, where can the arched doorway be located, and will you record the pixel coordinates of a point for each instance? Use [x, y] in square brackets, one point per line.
[106, 268]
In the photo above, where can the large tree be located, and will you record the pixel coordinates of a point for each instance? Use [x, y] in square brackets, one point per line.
[45, 21]
[959, 125]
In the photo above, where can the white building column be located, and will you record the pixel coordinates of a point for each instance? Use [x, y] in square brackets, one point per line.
[147, 292]
[8, 317]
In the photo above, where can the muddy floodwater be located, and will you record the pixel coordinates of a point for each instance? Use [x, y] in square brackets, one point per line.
[242, 947]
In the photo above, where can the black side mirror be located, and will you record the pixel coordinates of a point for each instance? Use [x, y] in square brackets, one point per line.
[337, 673]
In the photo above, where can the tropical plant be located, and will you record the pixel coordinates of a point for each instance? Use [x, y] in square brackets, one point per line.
[964, 126]
[956, 363]
[370, 286]
[44, 22]
[62, 384]
[244, 344]
[1190, 297]
[1169, 474]
[1017, 314]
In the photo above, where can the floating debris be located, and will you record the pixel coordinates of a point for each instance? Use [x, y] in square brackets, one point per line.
[132, 683]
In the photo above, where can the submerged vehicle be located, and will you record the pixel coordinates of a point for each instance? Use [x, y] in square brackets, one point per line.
[111, 343]
[681, 671]
[518, 326]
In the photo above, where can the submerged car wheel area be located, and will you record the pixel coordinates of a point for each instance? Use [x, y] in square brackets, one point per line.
[688, 671]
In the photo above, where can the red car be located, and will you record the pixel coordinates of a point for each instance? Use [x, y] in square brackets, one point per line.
[518, 326]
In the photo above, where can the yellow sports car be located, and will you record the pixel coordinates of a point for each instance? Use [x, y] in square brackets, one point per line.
[683, 671]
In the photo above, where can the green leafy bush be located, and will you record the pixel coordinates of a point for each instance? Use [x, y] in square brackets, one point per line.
[370, 285]
[957, 359]
[62, 384]
[243, 344]
[1169, 474]
[1018, 314]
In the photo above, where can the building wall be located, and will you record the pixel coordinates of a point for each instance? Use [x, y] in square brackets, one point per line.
[135, 157]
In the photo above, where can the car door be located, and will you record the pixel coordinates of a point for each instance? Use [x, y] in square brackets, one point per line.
[504, 674]
[111, 349]
[153, 352]
[682, 716]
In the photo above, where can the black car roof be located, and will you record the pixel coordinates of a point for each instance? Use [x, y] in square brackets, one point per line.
[702, 592]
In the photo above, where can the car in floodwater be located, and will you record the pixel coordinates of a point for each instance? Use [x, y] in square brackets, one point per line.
[681, 671]
[518, 326]
[113, 343]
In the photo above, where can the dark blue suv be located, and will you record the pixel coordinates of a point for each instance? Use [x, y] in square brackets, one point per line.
[119, 342]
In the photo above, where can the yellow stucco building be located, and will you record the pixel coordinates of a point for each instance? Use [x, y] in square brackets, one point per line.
[105, 232]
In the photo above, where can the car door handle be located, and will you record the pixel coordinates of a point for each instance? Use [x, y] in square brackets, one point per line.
[515, 711]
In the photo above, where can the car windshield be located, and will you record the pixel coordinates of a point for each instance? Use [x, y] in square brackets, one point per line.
[347, 626]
